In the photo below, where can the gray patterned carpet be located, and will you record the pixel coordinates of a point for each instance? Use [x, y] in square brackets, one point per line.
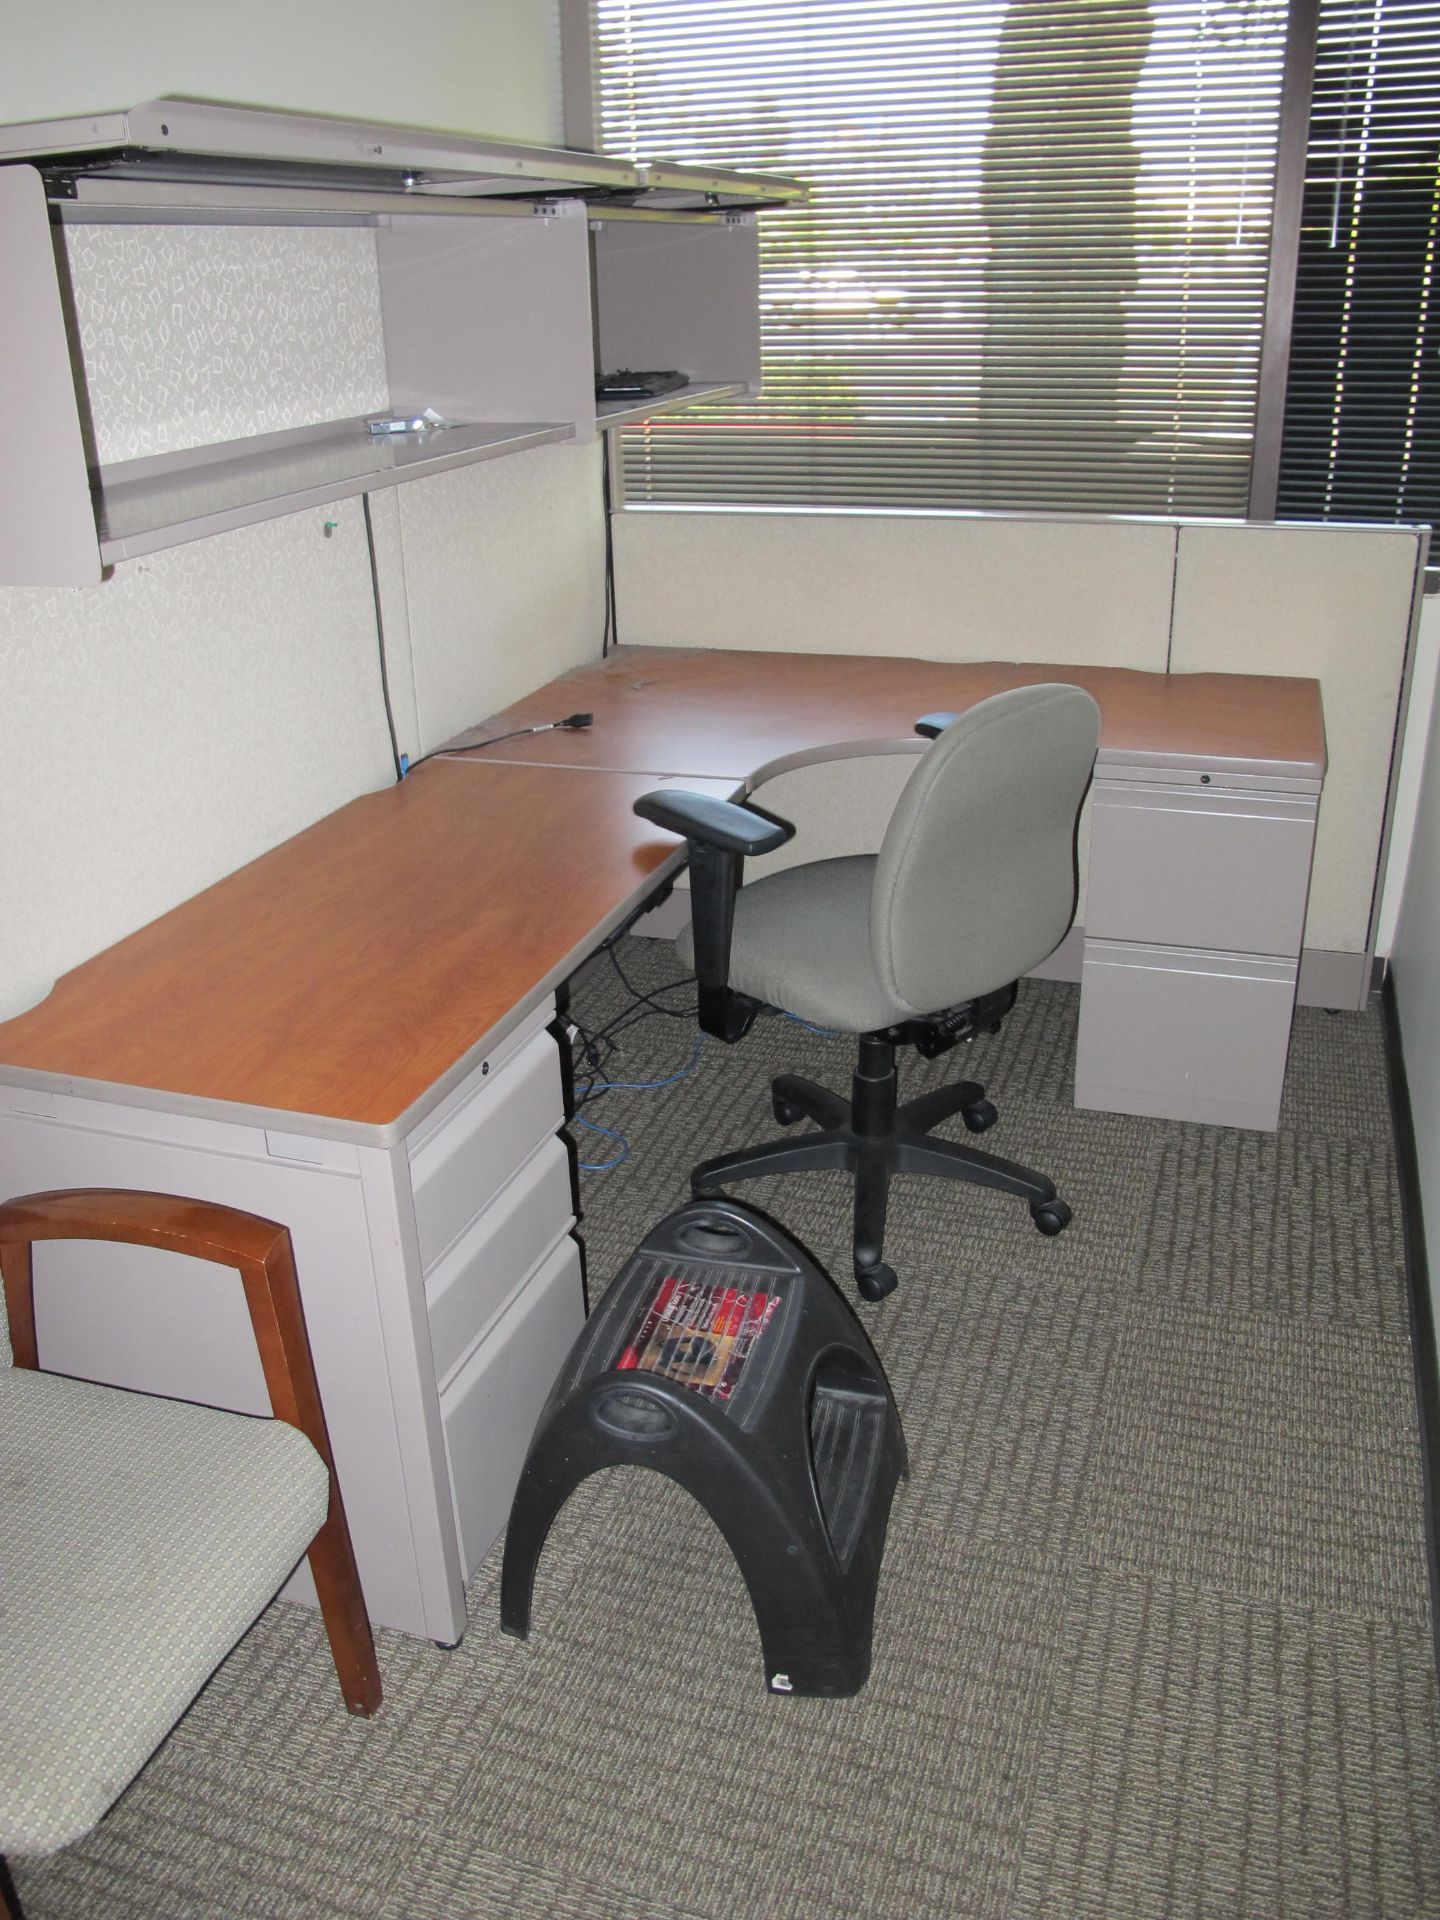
[1153, 1633]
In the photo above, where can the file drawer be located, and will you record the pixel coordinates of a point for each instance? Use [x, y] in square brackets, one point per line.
[476, 1277]
[1199, 867]
[1184, 1035]
[458, 1170]
[490, 1408]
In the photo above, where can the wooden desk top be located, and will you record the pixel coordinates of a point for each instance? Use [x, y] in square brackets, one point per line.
[353, 974]
[745, 714]
[689, 712]
[1230, 723]
[351, 970]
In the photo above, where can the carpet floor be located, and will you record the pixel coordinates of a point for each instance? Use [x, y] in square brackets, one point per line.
[1153, 1632]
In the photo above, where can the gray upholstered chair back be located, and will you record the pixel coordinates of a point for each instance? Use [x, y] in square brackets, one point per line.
[975, 881]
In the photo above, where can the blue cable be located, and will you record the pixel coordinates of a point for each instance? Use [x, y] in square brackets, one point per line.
[626, 1086]
[602, 1166]
[825, 1033]
[648, 1086]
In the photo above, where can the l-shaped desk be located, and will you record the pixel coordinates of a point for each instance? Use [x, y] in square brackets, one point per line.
[352, 1035]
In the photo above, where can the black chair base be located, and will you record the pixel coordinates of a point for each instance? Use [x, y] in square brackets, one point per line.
[873, 1137]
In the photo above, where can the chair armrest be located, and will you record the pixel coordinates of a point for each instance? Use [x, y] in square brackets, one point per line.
[718, 834]
[722, 824]
[931, 724]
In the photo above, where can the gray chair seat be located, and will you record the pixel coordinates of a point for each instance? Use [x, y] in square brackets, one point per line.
[802, 942]
[145, 1535]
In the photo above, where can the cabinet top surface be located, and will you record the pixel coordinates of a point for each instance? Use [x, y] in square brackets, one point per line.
[354, 971]
[181, 139]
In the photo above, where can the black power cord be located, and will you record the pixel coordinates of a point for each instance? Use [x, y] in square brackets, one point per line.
[610, 637]
[572, 723]
[395, 753]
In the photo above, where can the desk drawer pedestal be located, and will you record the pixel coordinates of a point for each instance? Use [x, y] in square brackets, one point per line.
[490, 1407]
[1195, 911]
[494, 1204]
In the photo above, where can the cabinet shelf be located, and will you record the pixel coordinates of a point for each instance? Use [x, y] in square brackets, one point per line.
[626, 413]
[166, 499]
[499, 303]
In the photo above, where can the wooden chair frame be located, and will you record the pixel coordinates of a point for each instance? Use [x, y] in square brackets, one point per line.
[261, 1252]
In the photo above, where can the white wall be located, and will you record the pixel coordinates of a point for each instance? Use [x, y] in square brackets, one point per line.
[200, 705]
[468, 66]
[1424, 680]
[1415, 959]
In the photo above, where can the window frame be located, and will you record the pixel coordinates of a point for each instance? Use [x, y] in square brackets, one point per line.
[577, 28]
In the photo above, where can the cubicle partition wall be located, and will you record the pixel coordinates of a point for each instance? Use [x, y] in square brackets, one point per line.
[1337, 604]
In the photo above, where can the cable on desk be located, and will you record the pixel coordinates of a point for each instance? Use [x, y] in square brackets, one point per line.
[573, 723]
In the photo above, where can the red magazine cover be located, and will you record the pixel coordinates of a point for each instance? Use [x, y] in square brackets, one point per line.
[701, 1333]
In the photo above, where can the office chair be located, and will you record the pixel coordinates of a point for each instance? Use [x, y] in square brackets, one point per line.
[143, 1536]
[921, 944]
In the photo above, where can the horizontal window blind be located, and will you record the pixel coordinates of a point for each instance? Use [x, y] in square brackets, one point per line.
[1361, 438]
[1031, 273]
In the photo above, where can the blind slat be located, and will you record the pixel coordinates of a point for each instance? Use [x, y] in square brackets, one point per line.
[1036, 242]
[1034, 262]
[1362, 413]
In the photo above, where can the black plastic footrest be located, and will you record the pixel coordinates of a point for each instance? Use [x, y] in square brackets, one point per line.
[725, 1358]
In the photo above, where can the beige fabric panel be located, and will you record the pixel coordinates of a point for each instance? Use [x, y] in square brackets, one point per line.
[1329, 602]
[1095, 592]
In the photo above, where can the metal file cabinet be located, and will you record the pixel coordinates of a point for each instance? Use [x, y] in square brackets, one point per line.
[440, 1276]
[1195, 907]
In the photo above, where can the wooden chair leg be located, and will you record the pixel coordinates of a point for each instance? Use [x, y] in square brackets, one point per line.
[342, 1608]
[10, 1908]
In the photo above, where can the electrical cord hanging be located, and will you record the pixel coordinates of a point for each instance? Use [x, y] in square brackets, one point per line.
[598, 1046]
[647, 995]
[598, 1087]
[610, 636]
[401, 767]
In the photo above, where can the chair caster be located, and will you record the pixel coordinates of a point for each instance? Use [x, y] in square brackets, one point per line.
[983, 1114]
[785, 1111]
[1051, 1216]
[873, 1283]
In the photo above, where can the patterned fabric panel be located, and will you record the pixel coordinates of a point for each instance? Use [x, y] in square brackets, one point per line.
[141, 1537]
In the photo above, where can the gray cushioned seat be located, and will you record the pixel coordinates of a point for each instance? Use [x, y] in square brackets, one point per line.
[802, 942]
[141, 1537]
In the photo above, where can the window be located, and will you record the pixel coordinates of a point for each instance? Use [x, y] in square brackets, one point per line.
[1362, 408]
[1032, 272]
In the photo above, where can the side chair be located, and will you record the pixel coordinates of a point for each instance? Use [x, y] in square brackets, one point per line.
[143, 1536]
